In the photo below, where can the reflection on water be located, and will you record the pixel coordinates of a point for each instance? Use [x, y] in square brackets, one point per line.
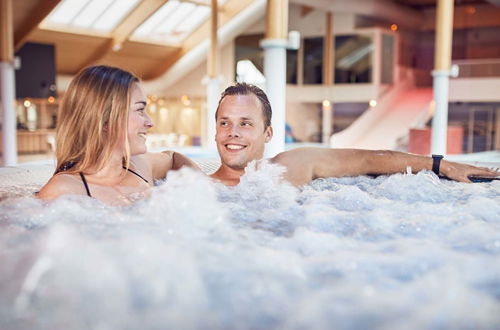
[399, 252]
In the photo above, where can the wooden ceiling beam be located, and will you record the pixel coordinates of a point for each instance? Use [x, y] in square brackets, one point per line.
[197, 2]
[139, 15]
[305, 10]
[41, 11]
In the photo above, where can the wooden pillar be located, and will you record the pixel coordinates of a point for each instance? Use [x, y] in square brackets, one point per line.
[212, 80]
[444, 33]
[6, 32]
[277, 19]
[212, 68]
[328, 51]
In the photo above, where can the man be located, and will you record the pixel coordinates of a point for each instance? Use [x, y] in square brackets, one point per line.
[243, 120]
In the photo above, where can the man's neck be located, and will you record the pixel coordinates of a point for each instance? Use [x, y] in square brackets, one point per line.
[227, 175]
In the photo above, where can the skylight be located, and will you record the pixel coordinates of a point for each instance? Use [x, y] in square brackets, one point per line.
[174, 22]
[171, 24]
[98, 15]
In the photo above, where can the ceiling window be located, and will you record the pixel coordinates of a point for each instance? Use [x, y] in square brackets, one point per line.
[171, 24]
[96, 15]
[174, 22]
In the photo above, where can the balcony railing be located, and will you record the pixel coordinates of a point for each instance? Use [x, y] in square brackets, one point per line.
[479, 68]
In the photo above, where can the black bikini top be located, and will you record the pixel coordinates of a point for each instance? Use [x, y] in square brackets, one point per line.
[87, 186]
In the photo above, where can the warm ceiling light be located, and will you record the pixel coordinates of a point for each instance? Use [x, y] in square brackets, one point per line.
[185, 100]
[27, 103]
[470, 10]
[372, 103]
[326, 103]
[152, 108]
[394, 27]
[51, 99]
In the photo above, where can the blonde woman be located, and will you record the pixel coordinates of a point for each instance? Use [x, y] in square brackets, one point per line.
[101, 140]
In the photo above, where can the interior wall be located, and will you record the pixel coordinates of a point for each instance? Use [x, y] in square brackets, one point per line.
[305, 120]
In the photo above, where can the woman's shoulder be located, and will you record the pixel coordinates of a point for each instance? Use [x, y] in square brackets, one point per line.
[61, 184]
[159, 162]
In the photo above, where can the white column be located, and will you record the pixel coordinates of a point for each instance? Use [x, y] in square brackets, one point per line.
[440, 119]
[275, 73]
[326, 121]
[7, 99]
[7, 85]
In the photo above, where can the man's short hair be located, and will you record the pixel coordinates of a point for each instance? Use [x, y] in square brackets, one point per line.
[247, 89]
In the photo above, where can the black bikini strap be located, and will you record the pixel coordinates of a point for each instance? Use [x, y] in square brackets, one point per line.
[85, 184]
[133, 172]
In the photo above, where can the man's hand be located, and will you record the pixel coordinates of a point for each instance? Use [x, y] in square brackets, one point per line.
[462, 172]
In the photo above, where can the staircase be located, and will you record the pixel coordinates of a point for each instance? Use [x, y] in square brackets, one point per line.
[380, 127]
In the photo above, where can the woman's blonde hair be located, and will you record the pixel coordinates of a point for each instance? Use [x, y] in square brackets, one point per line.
[93, 118]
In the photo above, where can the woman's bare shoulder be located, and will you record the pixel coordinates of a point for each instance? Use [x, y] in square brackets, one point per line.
[160, 163]
[62, 184]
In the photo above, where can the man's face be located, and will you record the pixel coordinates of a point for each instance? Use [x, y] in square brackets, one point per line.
[241, 132]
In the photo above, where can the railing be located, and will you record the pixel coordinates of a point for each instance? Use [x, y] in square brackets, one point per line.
[478, 68]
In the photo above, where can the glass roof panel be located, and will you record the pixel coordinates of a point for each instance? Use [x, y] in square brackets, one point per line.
[100, 15]
[175, 21]
[66, 11]
[178, 16]
[114, 14]
[171, 24]
[157, 18]
[91, 12]
[199, 15]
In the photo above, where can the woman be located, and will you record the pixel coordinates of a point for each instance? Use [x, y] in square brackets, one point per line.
[101, 140]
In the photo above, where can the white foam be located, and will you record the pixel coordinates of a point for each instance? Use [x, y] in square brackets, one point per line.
[405, 251]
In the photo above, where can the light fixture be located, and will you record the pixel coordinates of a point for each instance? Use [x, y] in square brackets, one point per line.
[394, 27]
[470, 10]
[27, 103]
[51, 99]
[373, 103]
[185, 100]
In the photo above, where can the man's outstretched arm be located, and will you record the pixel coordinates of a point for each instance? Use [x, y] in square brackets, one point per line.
[321, 163]
[162, 162]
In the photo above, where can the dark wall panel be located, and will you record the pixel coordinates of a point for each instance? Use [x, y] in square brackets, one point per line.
[37, 74]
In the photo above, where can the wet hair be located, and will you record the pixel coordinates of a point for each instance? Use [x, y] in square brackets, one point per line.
[93, 117]
[247, 89]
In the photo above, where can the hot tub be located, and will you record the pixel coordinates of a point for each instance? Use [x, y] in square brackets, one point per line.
[394, 252]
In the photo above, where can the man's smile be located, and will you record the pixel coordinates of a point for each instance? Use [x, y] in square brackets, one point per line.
[231, 146]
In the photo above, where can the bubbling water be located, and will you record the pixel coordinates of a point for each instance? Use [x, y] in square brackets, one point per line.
[405, 251]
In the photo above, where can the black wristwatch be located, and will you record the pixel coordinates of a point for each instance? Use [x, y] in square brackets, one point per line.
[436, 162]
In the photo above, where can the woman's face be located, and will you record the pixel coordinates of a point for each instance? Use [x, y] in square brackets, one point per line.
[138, 121]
